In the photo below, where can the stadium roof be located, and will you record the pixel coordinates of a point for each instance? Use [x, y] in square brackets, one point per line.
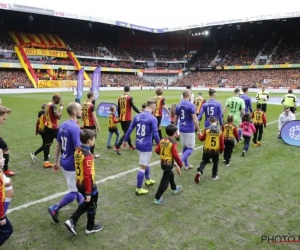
[160, 16]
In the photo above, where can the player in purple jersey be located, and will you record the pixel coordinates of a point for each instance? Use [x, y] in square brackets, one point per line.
[186, 112]
[68, 140]
[211, 108]
[146, 129]
[247, 100]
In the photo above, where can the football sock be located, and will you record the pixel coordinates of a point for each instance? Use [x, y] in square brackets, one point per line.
[67, 199]
[39, 150]
[6, 204]
[140, 178]
[186, 155]
[6, 157]
[79, 198]
[147, 173]
[46, 152]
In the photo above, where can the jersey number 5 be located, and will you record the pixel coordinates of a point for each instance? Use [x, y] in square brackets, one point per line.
[213, 142]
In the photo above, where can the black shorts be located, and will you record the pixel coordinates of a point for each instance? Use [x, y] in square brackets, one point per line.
[3, 144]
[159, 118]
[91, 128]
[264, 107]
[292, 109]
[50, 135]
[125, 126]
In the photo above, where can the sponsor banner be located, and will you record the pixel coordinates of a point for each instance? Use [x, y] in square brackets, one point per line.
[80, 83]
[29, 9]
[60, 83]
[290, 133]
[86, 18]
[4, 6]
[59, 13]
[44, 41]
[96, 81]
[137, 27]
[44, 52]
[274, 66]
[103, 20]
[71, 15]
[162, 71]
[103, 109]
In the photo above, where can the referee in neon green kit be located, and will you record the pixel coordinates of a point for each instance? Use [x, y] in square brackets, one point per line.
[290, 100]
[262, 97]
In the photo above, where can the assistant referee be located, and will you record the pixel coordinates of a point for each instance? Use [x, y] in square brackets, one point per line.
[290, 100]
[262, 97]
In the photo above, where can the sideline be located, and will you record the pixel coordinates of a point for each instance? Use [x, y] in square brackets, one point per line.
[112, 177]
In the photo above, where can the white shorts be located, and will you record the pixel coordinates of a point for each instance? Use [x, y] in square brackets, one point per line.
[187, 139]
[7, 180]
[145, 158]
[70, 177]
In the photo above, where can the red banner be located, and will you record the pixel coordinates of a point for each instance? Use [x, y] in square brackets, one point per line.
[45, 41]
[162, 71]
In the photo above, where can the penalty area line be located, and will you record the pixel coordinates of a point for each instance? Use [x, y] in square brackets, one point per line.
[112, 177]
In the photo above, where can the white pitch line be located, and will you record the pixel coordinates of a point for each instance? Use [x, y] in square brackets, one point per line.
[112, 177]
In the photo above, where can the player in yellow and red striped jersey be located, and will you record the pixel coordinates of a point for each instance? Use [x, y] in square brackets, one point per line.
[160, 105]
[86, 184]
[259, 121]
[199, 101]
[89, 117]
[125, 103]
[229, 132]
[53, 113]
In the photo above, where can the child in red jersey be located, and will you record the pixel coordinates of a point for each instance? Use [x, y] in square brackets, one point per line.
[112, 127]
[86, 184]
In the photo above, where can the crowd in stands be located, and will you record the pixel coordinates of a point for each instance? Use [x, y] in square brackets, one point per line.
[6, 42]
[250, 78]
[115, 80]
[49, 74]
[169, 65]
[141, 55]
[14, 79]
[269, 47]
[244, 52]
[288, 51]
[168, 55]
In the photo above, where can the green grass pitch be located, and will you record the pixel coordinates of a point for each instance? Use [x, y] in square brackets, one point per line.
[257, 195]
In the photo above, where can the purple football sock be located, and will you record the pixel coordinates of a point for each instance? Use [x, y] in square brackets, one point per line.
[147, 173]
[186, 155]
[140, 178]
[79, 198]
[6, 204]
[183, 151]
[67, 199]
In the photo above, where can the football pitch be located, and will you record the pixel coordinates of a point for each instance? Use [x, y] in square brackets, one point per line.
[256, 197]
